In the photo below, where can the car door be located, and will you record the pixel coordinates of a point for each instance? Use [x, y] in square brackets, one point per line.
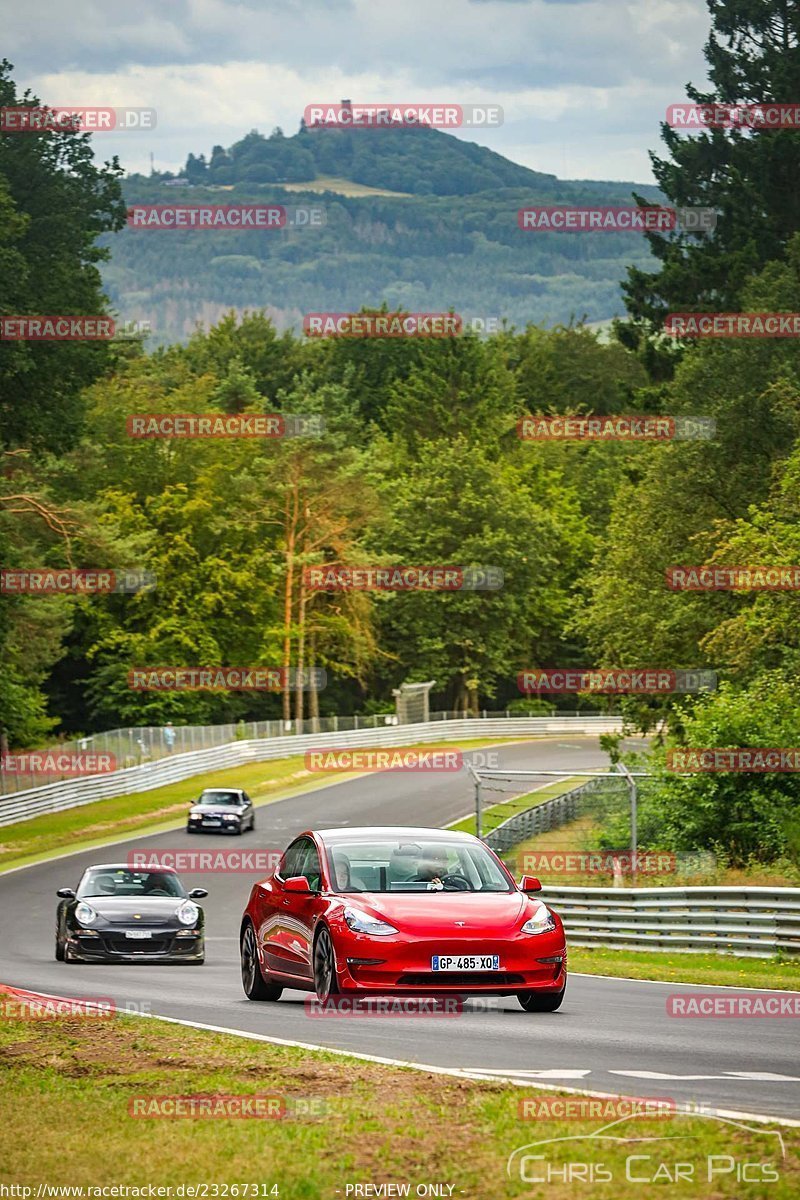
[285, 929]
[247, 810]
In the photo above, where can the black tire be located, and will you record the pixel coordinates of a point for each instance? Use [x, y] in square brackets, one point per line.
[253, 825]
[190, 830]
[325, 981]
[59, 949]
[253, 982]
[541, 1001]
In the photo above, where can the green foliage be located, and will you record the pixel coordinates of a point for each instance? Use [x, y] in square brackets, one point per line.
[748, 176]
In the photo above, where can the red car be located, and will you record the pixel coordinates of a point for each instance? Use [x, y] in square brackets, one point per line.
[401, 912]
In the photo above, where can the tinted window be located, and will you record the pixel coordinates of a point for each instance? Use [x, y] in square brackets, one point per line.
[293, 859]
[400, 864]
[111, 881]
[311, 868]
[219, 799]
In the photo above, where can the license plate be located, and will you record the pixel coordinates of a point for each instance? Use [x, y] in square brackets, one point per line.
[211, 821]
[465, 962]
[138, 934]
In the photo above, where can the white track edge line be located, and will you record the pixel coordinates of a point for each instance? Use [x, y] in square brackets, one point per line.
[476, 1074]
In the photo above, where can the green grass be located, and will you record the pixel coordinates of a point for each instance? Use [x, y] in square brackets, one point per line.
[67, 1085]
[713, 969]
[164, 808]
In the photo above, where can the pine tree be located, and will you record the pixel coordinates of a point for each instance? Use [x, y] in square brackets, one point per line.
[751, 177]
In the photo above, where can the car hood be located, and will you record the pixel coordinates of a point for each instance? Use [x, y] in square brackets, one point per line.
[207, 810]
[427, 913]
[136, 910]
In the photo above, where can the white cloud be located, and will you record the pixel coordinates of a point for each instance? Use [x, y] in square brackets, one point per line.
[581, 83]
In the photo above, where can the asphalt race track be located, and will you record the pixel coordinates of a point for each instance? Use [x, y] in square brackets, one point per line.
[610, 1036]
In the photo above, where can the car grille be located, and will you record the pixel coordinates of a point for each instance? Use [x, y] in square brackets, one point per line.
[460, 979]
[123, 945]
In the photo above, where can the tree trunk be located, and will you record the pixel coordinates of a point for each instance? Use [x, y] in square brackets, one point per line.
[313, 694]
[291, 538]
[301, 648]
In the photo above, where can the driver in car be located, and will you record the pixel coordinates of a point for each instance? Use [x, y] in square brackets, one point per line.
[433, 868]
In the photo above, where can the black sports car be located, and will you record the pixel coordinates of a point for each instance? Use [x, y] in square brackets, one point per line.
[121, 914]
[222, 810]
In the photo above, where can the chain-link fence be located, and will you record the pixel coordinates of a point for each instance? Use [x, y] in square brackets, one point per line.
[132, 746]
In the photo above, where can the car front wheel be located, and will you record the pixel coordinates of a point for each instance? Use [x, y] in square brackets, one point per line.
[325, 981]
[253, 982]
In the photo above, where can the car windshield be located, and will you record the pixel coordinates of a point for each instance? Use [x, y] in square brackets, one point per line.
[220, 798]
[401, 864]
[121, 881]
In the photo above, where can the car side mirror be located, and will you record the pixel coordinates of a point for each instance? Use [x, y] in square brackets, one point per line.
[529, 883]
[198, 893]
[66, 893]
[297, 883]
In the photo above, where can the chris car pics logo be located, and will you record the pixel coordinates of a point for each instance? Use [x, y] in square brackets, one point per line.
[718, 1154]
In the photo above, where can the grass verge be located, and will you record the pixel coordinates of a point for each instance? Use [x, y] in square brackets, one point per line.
[165, 808]
[68, 1084]
[493, 815]
[712, 969]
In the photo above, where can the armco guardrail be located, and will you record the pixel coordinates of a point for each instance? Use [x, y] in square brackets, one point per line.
[756, 922]
[138, 744]
[22, 806]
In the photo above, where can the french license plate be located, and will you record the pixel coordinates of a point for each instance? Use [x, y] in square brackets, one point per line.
[138, 934]
[465, 962]
[211, 821]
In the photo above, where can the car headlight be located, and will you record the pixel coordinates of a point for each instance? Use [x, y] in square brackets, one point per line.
[232, 817]
[188, 913]
[540, 922]
[85, 914]
[361, 922]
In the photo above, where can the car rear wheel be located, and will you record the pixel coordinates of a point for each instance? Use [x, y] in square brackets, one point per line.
[325, 981]
[541, 1001]
[253, 982]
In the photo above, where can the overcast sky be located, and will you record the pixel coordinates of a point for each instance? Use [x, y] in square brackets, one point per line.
[583, 84]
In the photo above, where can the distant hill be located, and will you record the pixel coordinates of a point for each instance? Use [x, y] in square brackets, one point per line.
[422, 162]
[438, 231]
